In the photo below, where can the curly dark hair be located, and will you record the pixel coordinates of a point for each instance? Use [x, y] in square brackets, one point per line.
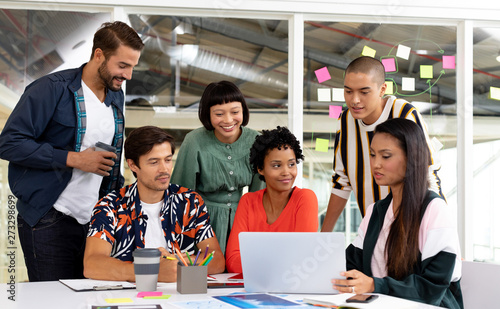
[269, 140]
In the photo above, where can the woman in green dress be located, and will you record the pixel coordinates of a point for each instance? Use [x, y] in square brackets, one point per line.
[214, 160]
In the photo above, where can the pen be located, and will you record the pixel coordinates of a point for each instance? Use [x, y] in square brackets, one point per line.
[169, 258]
[180, 256]
[197, 255]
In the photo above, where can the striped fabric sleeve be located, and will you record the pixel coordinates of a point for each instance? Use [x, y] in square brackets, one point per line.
[340, 181]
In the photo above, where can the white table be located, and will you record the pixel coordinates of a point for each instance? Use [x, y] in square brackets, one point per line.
[54, 295]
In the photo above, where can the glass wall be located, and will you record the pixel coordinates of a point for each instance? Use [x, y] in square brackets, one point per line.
[486, 150]
[32, 44]
[420, 67]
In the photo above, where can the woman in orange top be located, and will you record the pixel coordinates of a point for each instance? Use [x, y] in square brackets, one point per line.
[280, 207]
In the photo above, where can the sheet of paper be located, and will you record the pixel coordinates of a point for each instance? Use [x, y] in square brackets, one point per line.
[89, 284]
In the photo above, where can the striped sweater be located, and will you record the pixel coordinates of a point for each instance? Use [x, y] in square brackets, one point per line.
[351, 162]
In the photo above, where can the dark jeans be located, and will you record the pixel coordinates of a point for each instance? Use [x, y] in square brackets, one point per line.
[53, 249]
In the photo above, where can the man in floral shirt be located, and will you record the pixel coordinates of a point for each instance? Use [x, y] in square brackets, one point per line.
[151, 212]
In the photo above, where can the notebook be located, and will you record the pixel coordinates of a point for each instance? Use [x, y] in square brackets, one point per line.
[298, 262]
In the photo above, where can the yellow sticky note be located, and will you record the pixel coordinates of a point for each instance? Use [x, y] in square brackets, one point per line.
[390, 87]
[367, 51]
[322, 144]
[118, 300]
[495, 93]
[426, 71]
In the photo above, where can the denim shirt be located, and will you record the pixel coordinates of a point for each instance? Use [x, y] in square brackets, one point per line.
[41, 130]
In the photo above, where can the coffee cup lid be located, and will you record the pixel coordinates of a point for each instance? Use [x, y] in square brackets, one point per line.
[146, 252]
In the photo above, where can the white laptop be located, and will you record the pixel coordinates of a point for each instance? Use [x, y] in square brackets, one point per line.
[304, 263]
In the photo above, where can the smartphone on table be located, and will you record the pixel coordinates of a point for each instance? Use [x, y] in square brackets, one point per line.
[362, 298]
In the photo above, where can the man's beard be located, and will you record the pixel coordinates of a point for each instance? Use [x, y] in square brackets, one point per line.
[106, 77]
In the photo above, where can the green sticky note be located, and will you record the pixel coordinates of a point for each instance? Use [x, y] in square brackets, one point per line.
[426, 71]
[322, 144]
[157, 297]
[367, 51]
[118, 300]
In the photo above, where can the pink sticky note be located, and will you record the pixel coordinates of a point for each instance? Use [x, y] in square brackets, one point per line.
[448, 62]
[149, 294]
[335, 111]
[322, 74]
[389, 64]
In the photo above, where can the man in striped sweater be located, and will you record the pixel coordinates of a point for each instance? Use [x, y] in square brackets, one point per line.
[364, 89]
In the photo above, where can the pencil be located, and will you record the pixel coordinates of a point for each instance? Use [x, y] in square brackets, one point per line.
[206, 251]
[197, 255]
[189, 258]
[180, 256]
[204, 260]
[208, 261]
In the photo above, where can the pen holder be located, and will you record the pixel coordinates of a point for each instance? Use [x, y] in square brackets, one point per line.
[191, 279]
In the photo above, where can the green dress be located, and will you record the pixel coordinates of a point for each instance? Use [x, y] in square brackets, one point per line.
[218, 172]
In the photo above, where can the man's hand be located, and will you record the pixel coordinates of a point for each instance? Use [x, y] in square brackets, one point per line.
[91, 161]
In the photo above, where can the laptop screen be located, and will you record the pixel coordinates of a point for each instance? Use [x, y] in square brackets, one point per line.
[292, 262]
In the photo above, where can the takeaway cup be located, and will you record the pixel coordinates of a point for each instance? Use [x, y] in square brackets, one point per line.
[146, 268]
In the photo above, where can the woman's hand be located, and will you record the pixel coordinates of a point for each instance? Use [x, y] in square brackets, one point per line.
[358, 283]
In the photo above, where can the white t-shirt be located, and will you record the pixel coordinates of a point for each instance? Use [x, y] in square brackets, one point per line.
[82, 192]
[153, 237]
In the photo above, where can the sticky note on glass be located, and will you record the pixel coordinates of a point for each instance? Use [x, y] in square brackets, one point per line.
[495, 93]
[389, 64]
[448, 62]
[118, 300]
[322, 144]
[322, 74]
[148, 294]
[324, 95]
[390, 87]
[335, 111]
[367, 51]
[408, 84]
[338, 94]
[403, 52]
[426, 71]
